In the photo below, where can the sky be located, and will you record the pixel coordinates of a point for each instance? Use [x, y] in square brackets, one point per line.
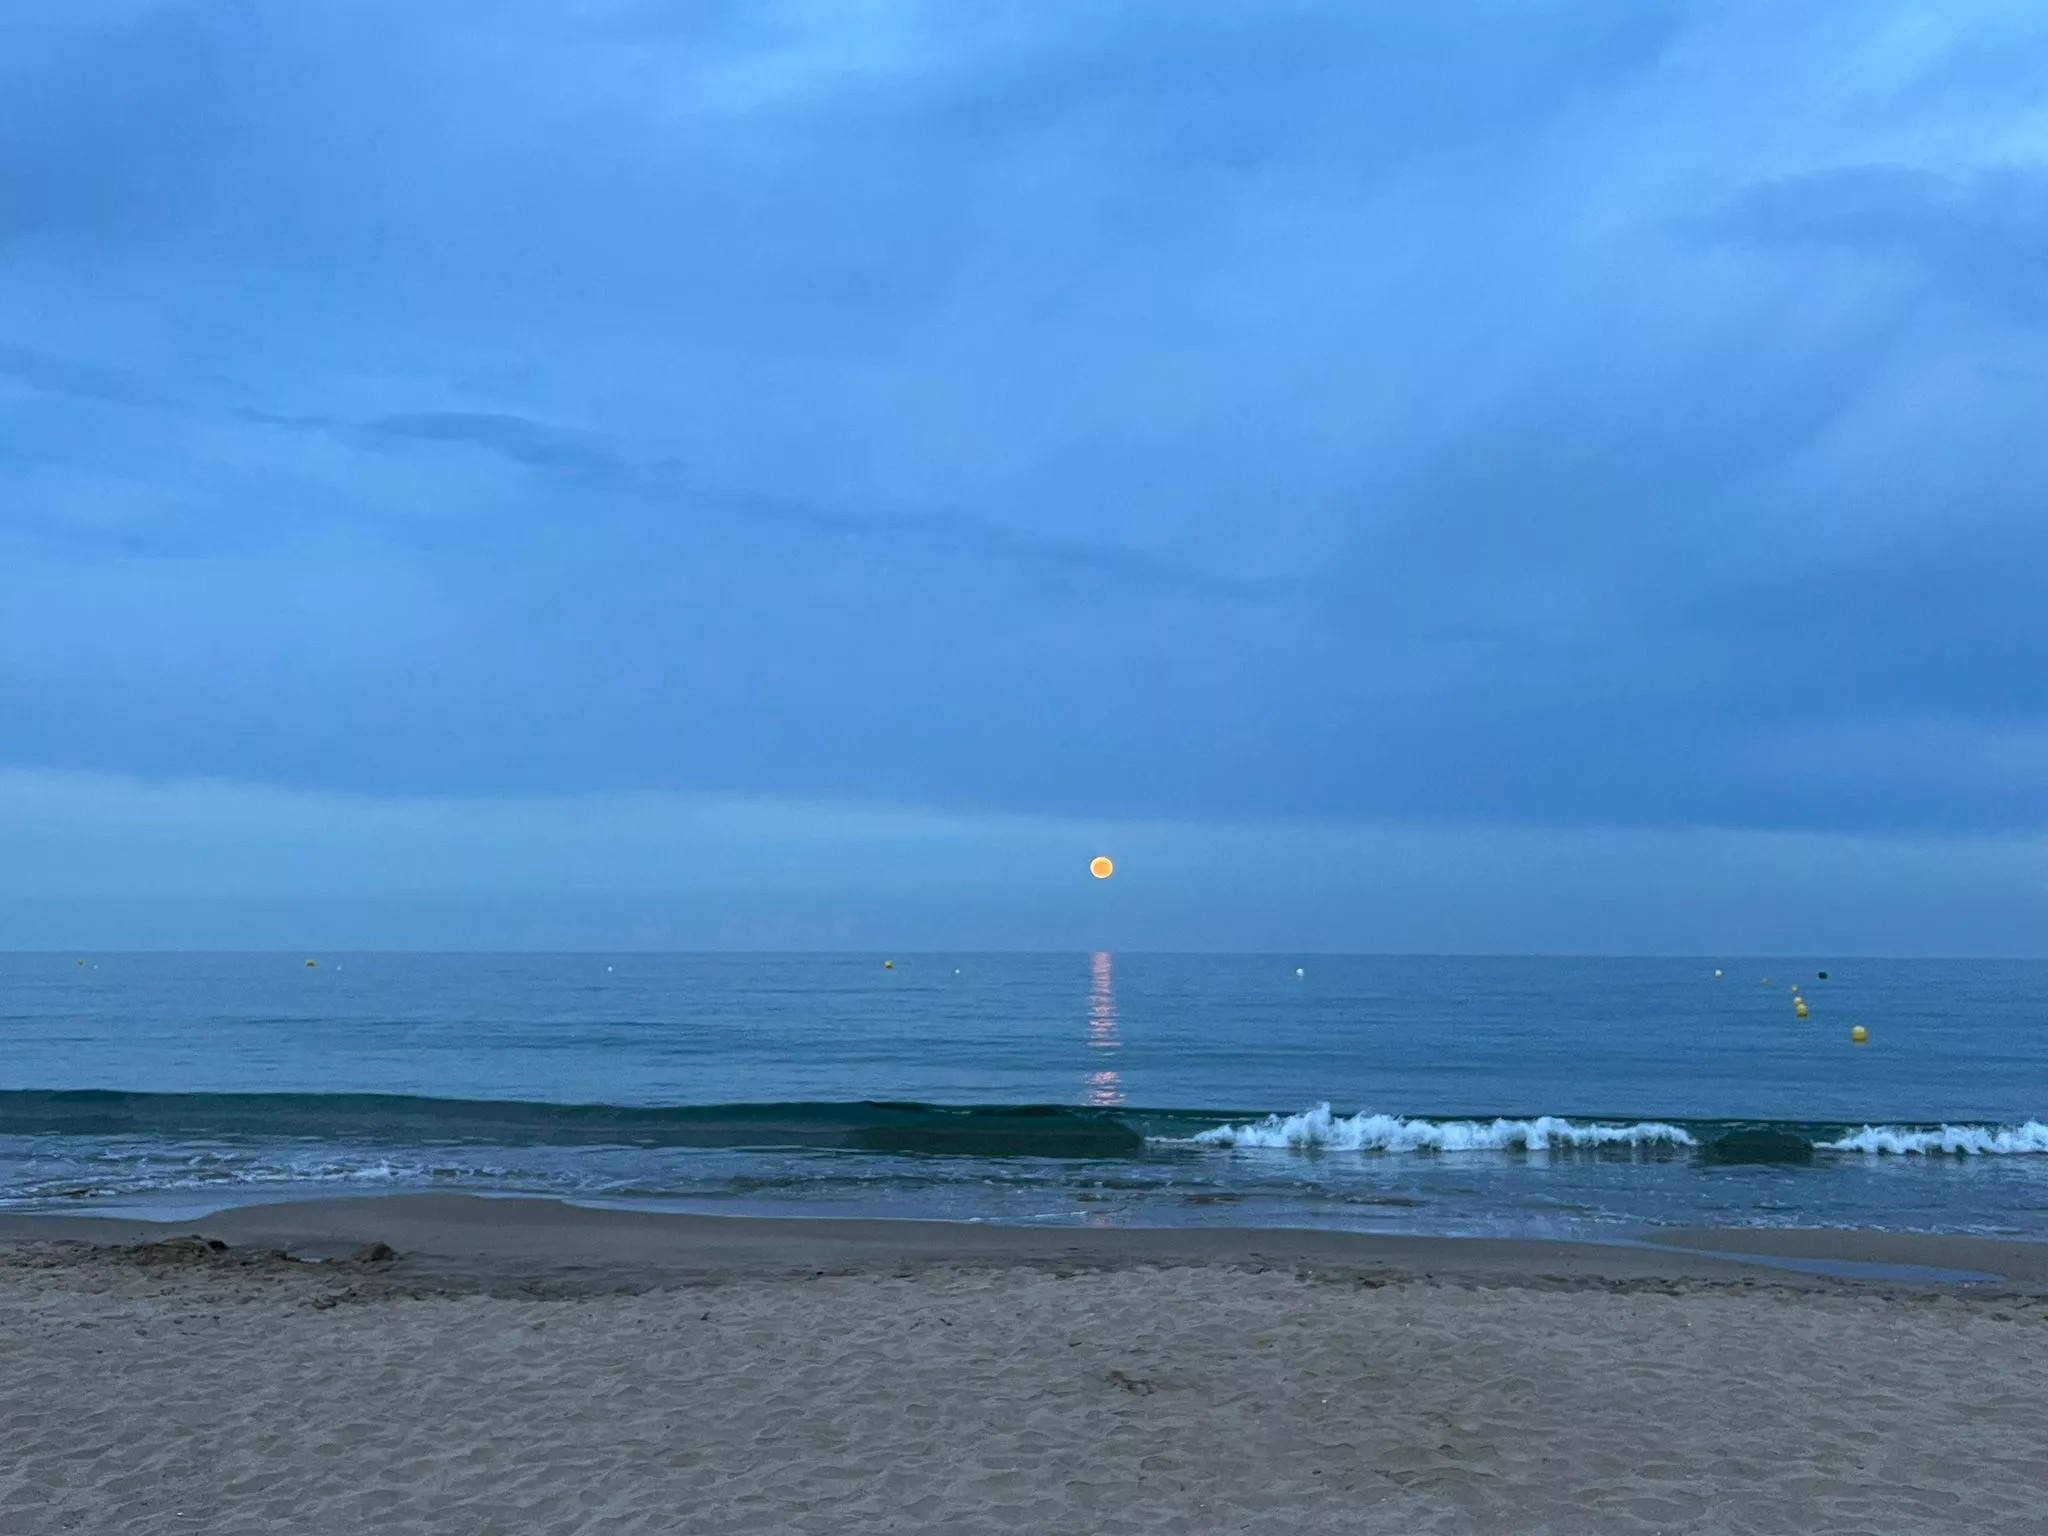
[1546, 475]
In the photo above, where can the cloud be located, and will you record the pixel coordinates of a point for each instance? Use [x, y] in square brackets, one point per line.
[55, 375]
[524, 441]
[662, 485]
[1559, 414]
[1980, 240]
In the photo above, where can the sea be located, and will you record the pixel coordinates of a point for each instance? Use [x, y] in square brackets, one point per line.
[1577, 1098]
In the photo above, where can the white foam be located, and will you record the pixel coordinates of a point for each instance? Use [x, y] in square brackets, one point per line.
[1949, 1140]
[1319, 1128]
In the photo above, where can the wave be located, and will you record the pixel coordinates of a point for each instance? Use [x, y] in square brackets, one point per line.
[998, 1130]
[1716, 1141]
[387, 1121]
[1319, 1128]
[1946, 1140]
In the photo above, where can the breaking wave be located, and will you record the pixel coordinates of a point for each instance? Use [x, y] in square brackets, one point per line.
[1320, 1128]
[1946, 1140]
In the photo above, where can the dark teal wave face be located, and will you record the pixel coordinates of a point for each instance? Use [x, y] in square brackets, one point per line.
[984, 1130]
[998, 1130]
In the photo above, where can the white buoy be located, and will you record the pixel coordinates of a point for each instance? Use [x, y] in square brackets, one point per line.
[1299, 971]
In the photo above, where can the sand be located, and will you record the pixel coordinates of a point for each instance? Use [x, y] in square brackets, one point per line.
[530, 1368]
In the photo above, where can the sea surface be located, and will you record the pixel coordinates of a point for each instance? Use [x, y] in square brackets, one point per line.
[1530, 1097]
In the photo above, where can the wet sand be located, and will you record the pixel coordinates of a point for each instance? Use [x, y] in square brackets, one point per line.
[522, 1366]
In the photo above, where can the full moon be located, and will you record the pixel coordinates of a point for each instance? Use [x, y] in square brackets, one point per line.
[1101, 868]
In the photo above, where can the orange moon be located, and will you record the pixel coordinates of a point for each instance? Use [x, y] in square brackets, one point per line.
[1100, 867]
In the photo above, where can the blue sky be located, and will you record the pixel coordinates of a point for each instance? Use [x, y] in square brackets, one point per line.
[1562, 474]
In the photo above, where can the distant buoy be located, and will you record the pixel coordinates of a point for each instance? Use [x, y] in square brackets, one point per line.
[309, 965]
[1823, 975]
[1767, 981]
[1299, 971]
[1859, 1034]
[81, 965]
[1717, 975]
[1100, 867]
[1799, 1009]
[888, 965]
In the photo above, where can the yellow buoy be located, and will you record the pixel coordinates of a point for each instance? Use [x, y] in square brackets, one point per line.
[1859, 1034]
[888, 965]
[309, 965]
[1100, 867]
[1800, 1010]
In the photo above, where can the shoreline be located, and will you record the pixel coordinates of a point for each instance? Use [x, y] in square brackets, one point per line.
[473, 1242]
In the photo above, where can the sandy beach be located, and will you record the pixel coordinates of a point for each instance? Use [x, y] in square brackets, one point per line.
[523, 1367]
